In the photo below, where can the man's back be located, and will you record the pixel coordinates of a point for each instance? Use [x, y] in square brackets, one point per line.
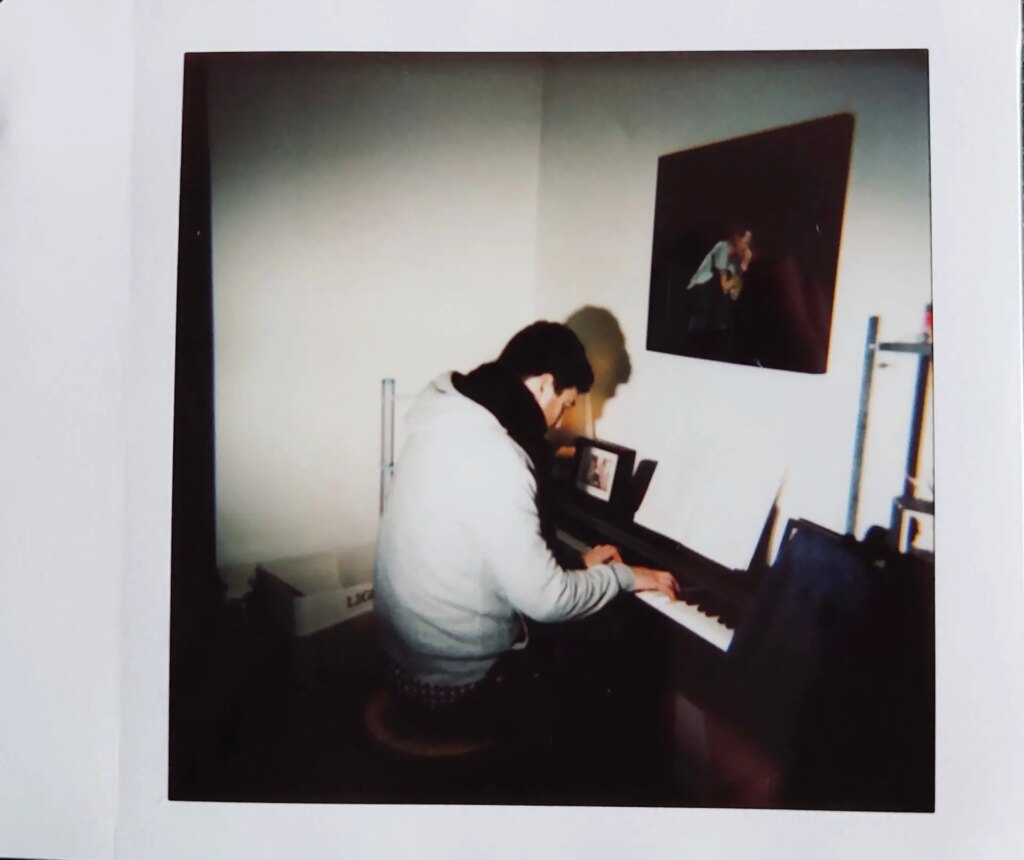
[440, 610]
[461, 558]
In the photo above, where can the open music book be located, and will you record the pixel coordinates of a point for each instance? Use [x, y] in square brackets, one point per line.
[716, 504]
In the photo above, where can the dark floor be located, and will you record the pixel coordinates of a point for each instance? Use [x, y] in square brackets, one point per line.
[263, 716]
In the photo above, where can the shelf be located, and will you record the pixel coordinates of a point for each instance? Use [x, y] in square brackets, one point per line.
[872, 348]
[917, 348]
[918, 506]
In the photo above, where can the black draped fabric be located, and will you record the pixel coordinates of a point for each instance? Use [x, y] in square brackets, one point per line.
[504, 395]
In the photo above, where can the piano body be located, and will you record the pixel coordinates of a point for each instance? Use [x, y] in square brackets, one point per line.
[806, 684]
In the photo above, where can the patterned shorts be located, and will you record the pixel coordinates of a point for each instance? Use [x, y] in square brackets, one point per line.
[427, 697]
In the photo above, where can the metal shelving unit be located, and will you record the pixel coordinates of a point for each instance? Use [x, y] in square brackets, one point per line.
[907, 500]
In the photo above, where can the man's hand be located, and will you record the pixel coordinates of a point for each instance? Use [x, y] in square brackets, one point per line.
[656, 580]
[601, 554]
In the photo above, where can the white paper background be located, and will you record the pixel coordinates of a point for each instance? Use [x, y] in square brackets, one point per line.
[86, 528]
[65, 157]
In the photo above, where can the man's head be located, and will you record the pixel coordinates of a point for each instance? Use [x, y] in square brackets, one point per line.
[551, 362]
[740, 238]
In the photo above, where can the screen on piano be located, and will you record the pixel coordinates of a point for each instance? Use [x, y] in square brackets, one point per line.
[596, 471]
[603, 475]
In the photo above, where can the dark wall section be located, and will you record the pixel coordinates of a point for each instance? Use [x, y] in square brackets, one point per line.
[196, 590]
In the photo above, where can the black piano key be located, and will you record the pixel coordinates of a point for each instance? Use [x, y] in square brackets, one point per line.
[690, 596]
[709, 606]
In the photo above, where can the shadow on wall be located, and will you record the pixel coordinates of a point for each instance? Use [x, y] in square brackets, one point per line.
[602, 337]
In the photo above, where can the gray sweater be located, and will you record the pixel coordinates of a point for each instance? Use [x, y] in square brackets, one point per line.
[460, 557]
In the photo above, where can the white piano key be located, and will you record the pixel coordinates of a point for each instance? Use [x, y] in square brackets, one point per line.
[709, 629]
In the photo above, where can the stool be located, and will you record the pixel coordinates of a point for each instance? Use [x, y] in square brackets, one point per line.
[418, 764]
[392, 729]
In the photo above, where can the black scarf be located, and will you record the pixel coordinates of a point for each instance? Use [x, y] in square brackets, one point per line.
[504, 395]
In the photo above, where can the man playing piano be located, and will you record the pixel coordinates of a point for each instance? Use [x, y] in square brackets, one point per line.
[466, 548]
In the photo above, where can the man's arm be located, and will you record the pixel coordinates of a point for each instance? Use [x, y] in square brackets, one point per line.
[600, 554]
[521, 563]
[519, 559]
[731, 283]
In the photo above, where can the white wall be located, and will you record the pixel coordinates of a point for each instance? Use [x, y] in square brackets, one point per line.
[371, 217]
[605, 122]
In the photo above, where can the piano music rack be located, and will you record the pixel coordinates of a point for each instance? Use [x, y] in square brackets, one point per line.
[907, 500]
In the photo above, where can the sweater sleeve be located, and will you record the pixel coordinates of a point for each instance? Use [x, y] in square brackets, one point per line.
[720, 257]
[509, 536]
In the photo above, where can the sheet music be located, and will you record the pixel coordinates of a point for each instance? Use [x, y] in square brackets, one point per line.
[714, 500]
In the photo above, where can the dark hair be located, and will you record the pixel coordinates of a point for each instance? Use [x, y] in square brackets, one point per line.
[549, 347]
[735, 229]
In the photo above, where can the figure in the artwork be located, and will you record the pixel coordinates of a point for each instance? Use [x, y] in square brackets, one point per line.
[712, 293]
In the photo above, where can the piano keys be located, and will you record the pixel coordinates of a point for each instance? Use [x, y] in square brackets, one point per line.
[690, 616]
[688, 611]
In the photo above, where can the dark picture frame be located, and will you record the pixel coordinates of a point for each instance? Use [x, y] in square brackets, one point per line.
[603, 475]
[781, 193]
